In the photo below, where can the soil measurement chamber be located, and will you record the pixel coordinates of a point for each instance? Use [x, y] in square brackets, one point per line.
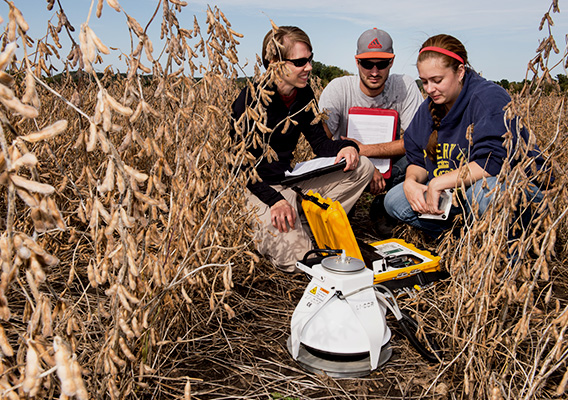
[339, 327]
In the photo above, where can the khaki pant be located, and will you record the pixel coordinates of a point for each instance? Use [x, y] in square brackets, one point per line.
[283, 249]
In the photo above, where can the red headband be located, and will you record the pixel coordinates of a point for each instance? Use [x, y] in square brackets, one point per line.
[443, 51]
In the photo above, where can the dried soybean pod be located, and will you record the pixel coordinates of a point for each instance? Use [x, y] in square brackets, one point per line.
[131, 298]
[55, 214]
[111, 384]
[7, 54]
[31, 186]
[230, 312]
[63, 364]
[91, 274]
[46, 133]
[187, 390]
[99, 8]
[92, 142]
[4, 344]
[126, 350]
[137, 175]
[115, 358]
[561, 388]
[96, 41]
[114, 4]
[6, 92]
[126, 329]
[46, 320]
[44, 354]
[27, 160]
[118, 107]
[20, 19]
[136, 327]
[145, 316]
[37, 270]
[31, 384]
[76, 371]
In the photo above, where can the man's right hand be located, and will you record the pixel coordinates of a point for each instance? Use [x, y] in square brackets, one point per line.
[283, 214]
[378, 184]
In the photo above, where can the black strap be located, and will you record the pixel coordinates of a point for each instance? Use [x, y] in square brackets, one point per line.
[307, 197]
[420, 279]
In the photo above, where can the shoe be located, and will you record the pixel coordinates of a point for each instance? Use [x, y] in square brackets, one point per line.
[383, 224]
[377, 207]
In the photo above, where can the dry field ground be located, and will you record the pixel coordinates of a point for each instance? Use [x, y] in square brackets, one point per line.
[128, 269]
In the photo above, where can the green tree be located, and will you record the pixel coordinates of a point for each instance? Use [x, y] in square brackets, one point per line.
[562, 82]
[327, 72]
[504, 84]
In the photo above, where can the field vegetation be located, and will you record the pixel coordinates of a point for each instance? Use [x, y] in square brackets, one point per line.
[128, 268]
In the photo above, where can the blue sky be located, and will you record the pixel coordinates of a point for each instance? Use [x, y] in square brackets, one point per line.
[501, 36]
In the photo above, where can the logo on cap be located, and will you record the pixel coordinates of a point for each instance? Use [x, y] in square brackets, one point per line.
[375, 44]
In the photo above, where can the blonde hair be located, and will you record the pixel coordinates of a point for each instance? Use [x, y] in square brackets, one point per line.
[286, 36]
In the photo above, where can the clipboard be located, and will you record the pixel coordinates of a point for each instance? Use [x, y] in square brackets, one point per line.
[313, 173]
[373, 125]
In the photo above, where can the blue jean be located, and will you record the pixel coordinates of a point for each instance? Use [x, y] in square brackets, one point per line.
[397, 206]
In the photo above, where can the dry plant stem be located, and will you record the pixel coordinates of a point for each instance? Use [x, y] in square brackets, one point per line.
[11, 195]
[61, 97]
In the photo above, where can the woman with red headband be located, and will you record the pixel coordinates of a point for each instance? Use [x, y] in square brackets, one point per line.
[455, 138]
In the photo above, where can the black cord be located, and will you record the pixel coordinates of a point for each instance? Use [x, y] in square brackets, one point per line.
[409, 328]
[322, 253]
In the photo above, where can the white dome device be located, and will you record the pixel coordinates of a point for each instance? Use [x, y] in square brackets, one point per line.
[339, 326]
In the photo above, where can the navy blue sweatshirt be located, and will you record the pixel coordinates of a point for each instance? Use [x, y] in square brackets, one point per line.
[284, 144]
[480, 104]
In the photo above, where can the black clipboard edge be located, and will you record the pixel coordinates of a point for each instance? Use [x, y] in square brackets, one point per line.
[290, 180]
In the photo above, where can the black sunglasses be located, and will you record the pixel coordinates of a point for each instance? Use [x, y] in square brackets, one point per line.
[300, 62]
[370, 64]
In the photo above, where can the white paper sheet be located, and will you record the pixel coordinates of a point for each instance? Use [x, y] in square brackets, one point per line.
[370, 129]
[310, 165]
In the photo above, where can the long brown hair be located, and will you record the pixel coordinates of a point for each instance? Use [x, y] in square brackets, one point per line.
[438, 111]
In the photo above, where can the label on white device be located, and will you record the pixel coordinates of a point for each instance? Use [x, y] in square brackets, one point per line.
[317, 294]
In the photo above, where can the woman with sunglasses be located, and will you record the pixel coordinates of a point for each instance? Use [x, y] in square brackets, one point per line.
[279, 233]
[456, 138]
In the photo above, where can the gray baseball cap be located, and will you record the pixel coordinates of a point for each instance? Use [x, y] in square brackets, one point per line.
[374, 43]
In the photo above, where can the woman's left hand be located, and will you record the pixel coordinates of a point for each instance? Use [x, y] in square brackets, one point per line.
[351, 156]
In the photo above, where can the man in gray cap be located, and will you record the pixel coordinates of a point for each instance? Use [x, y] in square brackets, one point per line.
[375, 87]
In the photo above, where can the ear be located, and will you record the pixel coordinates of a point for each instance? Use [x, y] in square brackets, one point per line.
[461, 72]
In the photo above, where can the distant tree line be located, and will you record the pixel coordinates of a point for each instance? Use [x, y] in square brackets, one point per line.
[560, 83]
[327, 72]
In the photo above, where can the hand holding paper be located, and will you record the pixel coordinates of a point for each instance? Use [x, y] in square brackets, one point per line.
[351, 157]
